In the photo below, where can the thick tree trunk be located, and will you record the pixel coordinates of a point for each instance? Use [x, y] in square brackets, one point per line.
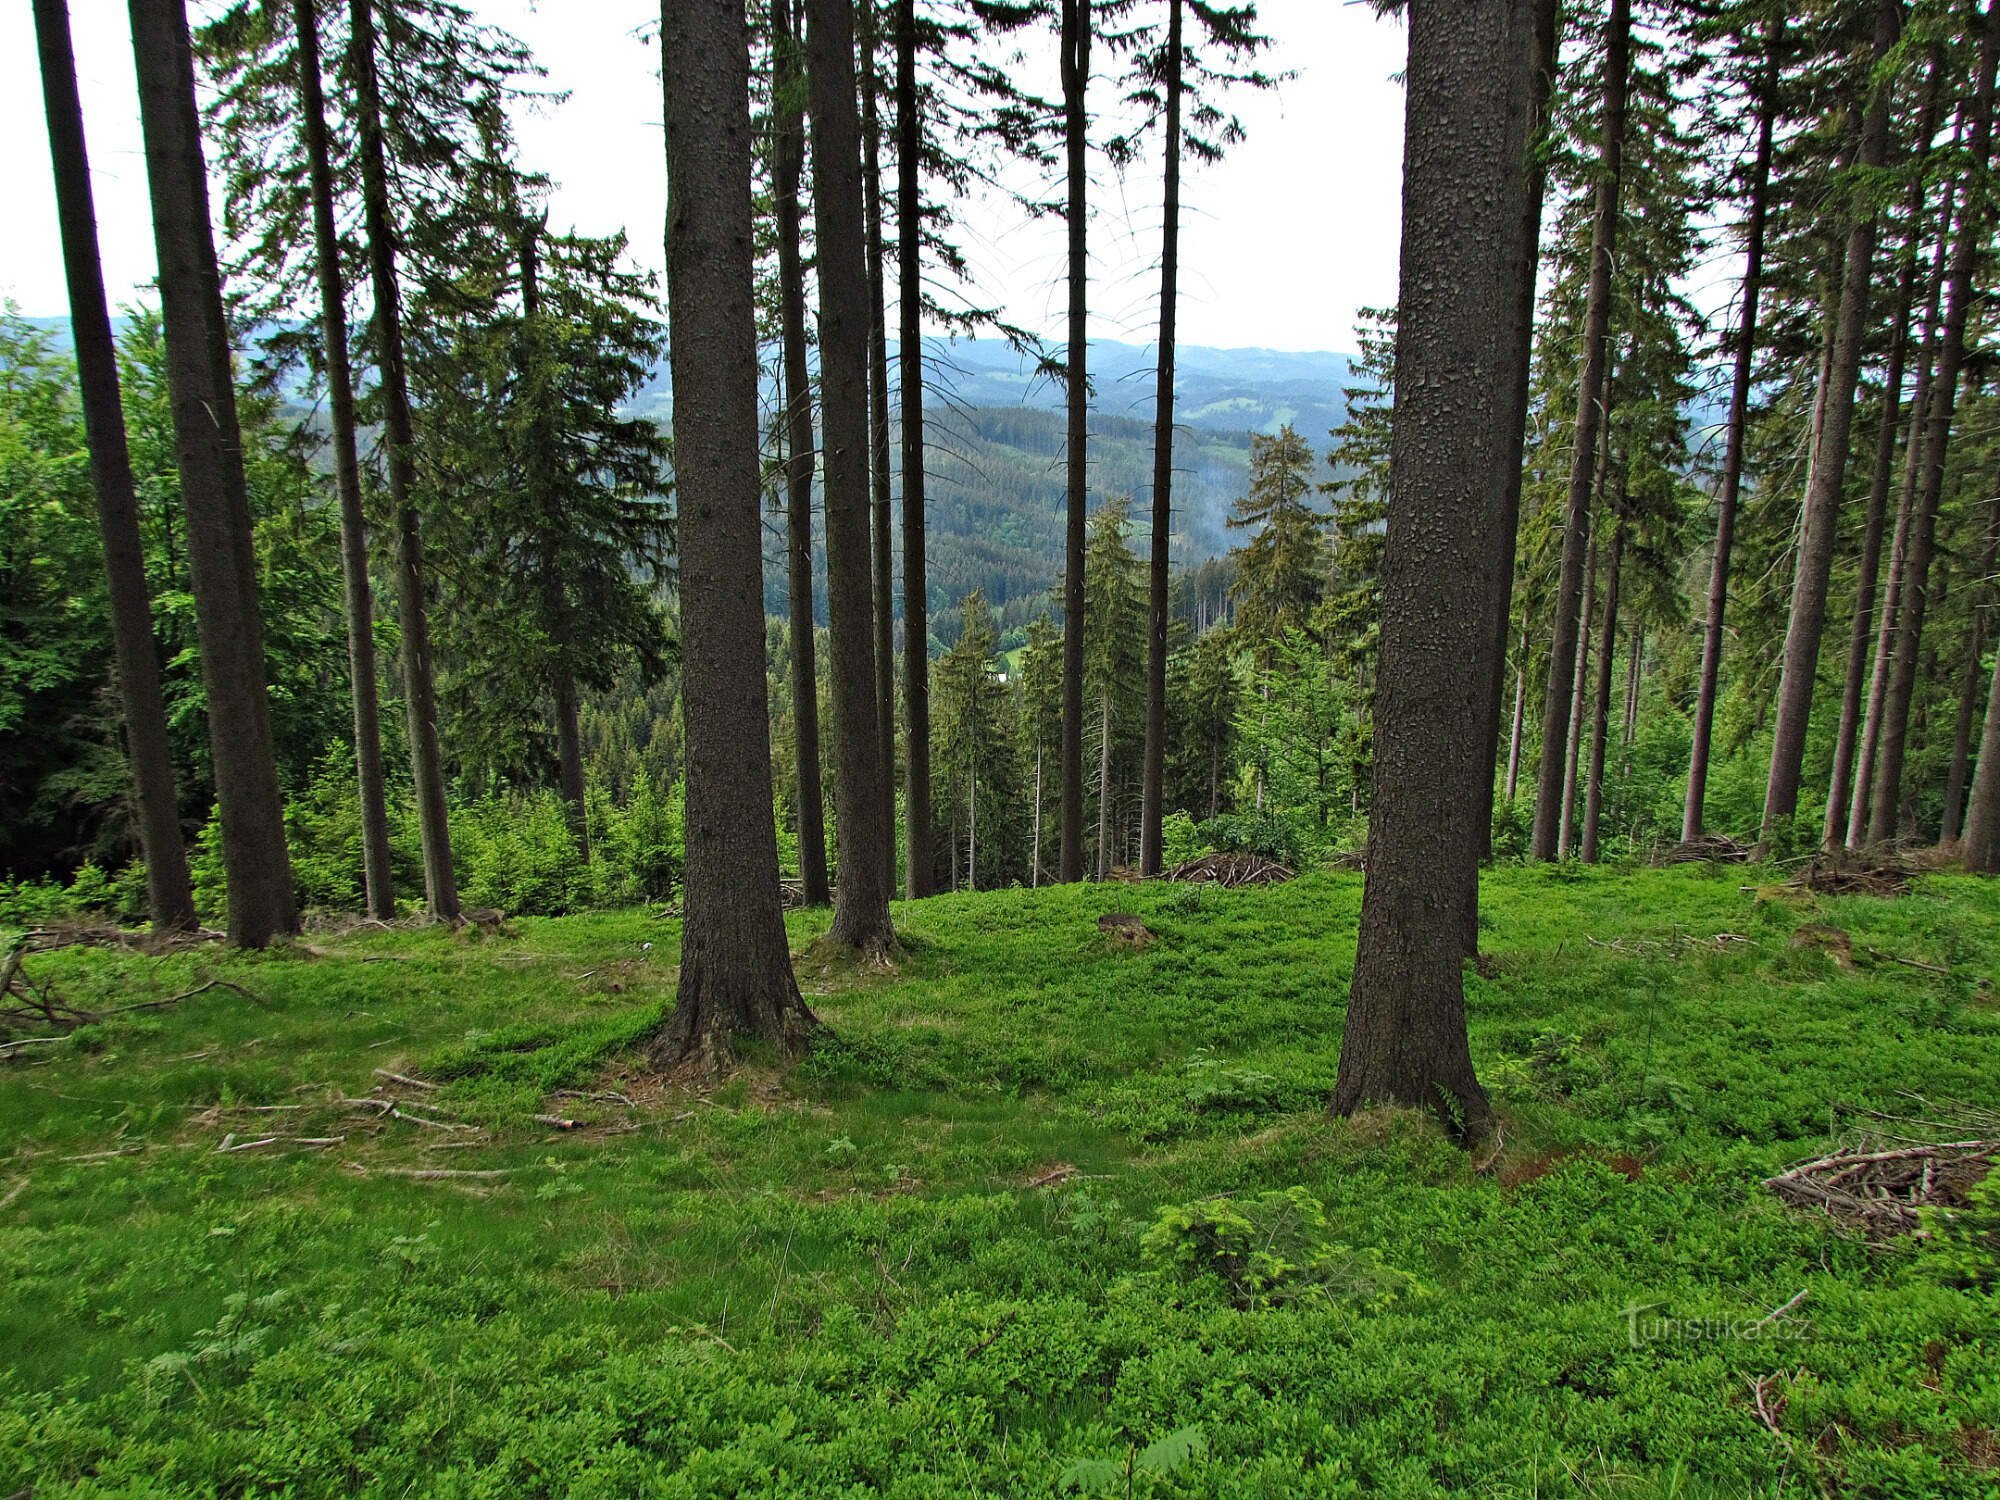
[917, 876]
[787, 161]
[878, 428]
[1730, 488]
[1404, 1040]
[736, 974]
[1551, 802]
[1150, 808]
[1886, 795]
[861, 907]
[209, 449]
[399, 438]
[1600, 731]
[356, 594]
[1840, 789]
[1078, 24]
[1821, 511]
[1980, 848]
[1968, 691]
[155, 802]
[1906, 499]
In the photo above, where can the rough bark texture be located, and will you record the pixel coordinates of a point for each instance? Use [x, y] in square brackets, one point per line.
[1886, 795]
[882, 572]
[917, 872]
[1980, 847]
[736, 975]
[1600, 729]
[1077, 27]
[169, 895]
[1592, 382]
[1968, 691]
[1150, 809]
[1730, 487]
[358, 605]
[1828, 478]
[209, 448]
[861, 909]
[400, 441]
[788, 156]
[1405, 1039]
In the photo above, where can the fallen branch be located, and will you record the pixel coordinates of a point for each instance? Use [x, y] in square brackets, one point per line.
[433, 1174]
[415, 1083]
[388, 1110]
[1908, 963]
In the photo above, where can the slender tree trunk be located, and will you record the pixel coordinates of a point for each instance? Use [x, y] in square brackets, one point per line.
[1887, 792]
[736, 973]
[861, 907]
[1906, 499]
[209, 448]
[787, 161]
[1840, 790]
[1078, 24]
[1592, 388]
[156, 806]
[1150, 806]
[1579, 687]
[1968, 691]
[1634, 658]
[1035, 858]
[1404, 1040]
[1821, 512]
[878, 425]
[972, 832]
[1104, 786]
[916, 579]
[399, 437]
[1520, 710]
[1738, 425]
[1600, 732]
[356, 594]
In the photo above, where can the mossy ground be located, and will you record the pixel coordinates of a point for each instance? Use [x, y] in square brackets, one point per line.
[911, 1264]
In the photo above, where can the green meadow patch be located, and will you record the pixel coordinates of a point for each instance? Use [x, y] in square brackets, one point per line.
[1041, 1214]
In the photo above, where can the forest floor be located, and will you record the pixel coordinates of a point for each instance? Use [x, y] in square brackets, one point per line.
[1043, 1212]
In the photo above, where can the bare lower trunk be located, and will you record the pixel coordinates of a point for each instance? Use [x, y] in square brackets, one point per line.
[1520, 709]
[169, 893]
[214, 499]
[1078, 24]
[736, 974]
[1634, 659]
[1579, 686]
[1104, 787]
[916, 580]
[1035, 859]
[878, 428]
[1600, 730]
[569, 758]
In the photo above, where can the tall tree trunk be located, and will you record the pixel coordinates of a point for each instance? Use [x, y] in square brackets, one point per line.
[399, 438]
[1579, 688]
[1635, 657]
[209, 449]
[155, 802]
[736, 973]
[787, 161]
[1968, 691]
[1887, 792]
[1404, 1040]
[1035, 857]
[1730, 488]
[1150, 804]
[917, 876]
[1551, 802]
[1517, 367]
[1906, 499]
[1520, 710]
[861, 907]
[1104, 786]
[356, 594]
[972, 831]
[878, 426]
[1840, 790]
[1600, 731]
[1078, 24]
[1821, 511]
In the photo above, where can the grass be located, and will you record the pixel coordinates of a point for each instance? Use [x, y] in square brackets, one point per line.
[919, 1263]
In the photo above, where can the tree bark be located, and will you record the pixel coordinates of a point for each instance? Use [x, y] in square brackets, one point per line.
[736, 974]
[861, 907]
[1886, 795]
[1730, 487]
[1975, 651]
[878, 427]
[399, 439]
[1592, 386]
[209, 449]
[1821, 511]
[1404, 1040]
[787, 162]
[1104, 785]
[1635, 658]
[1600, 733]
[1078, 24]
[156, 803]
[1150, 802]
[917, 874]
[1520, 711]
[1579, 688]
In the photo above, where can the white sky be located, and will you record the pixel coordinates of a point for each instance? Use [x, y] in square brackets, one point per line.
[1281, 242]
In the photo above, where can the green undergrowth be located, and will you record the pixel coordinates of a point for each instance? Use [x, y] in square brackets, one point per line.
[1039, 1215]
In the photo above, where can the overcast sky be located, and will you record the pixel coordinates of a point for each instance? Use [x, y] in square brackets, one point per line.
[1281, 242]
